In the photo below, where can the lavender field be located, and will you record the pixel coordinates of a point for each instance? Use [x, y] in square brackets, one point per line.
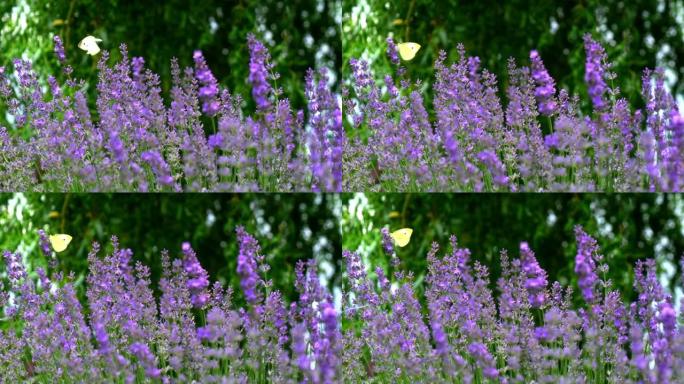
[134, 140]
[190, 332]
[457, 327]
[342, 192]
[538, 140]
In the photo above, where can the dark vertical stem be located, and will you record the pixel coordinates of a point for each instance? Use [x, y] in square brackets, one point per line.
[64, 208]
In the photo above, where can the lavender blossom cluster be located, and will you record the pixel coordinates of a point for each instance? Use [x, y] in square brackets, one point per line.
[134, 141]
[191, 332]
[526, 332]
[539, 141]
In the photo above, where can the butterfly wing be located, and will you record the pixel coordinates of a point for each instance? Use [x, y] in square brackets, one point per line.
[402, 236]
[94, 49]
[60, 242]
[408, 51]
[84, 43]
[89, 44]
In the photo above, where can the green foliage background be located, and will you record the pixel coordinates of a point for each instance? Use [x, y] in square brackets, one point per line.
[289, 227]
[300, 34]
[632, 32]
[627, 227]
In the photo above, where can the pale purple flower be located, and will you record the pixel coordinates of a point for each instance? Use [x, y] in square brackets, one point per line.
[147, 360]
[59, 49]
[392, 51]
[45, 246]
[387, 241]
[595, 72]
[209, 86]
[535, 282]
[198, 279]
[545, 91]
[259, 73]
[585, 265]
[247, 266]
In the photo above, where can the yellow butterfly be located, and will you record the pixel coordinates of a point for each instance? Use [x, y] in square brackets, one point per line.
[89, 44]
[402, 236]
[408, 51]
[60, 242]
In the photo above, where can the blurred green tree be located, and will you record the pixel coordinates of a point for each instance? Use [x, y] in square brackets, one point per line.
[289, 227]
[628, 227]
[635, 33]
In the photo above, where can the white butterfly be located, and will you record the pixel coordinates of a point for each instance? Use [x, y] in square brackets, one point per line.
[402, 236]
[89, 44]
[408, 51]
[60, 241]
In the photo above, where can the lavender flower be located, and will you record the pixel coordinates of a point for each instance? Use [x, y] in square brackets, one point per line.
[392, 51]
[147, 360]
[546, 90]
[387, 242]
[299, 348]
[247, 266]
[45, 246]
[198, 279]
[259, 73]
[536, 277]
[585, 266]
[59, 49]
[209, 89]
[14, 267]
[595, 72]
